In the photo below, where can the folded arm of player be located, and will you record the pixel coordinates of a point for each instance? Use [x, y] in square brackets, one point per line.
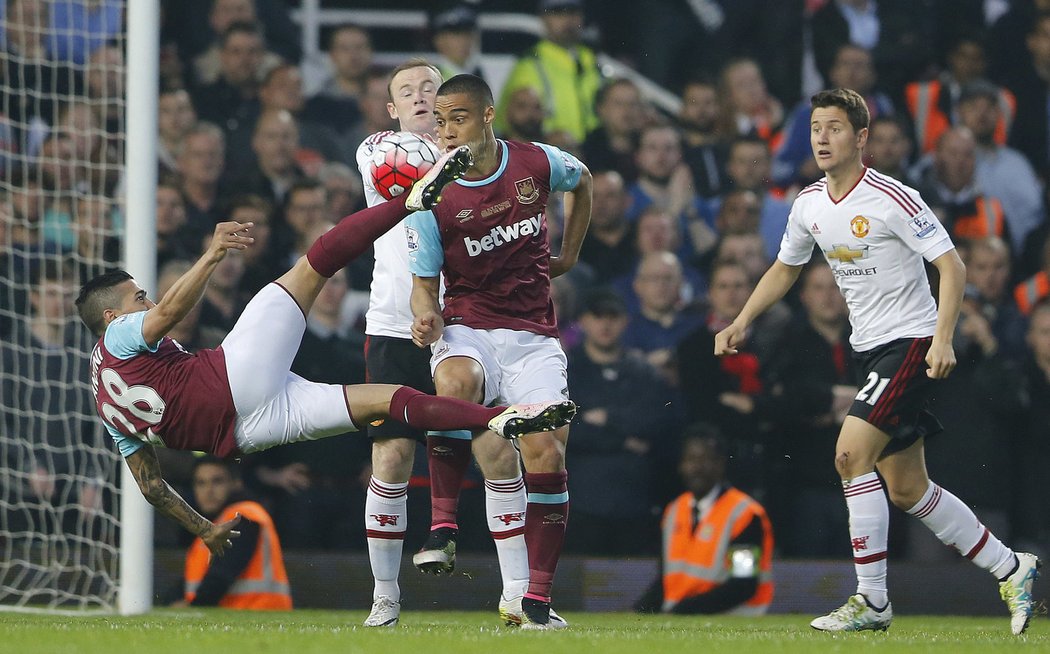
[773, 286]
[577, 219]
[145, 467]
[188, 289]
[428, 324]
[952, 273]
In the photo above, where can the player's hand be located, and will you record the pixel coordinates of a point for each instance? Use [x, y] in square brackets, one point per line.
[727, 340]
[229, 236]
[220, 537]
[427, 328]
[940, 359]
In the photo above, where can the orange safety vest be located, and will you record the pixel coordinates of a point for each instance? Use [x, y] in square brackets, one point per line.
[930, 122]
[987, 220]
[1031, 290]
[263, 585]
[697, 560]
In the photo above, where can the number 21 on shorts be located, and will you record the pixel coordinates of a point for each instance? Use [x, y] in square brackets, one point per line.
[873, 388]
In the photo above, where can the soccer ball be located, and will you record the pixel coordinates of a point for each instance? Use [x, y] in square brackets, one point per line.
[399, 160]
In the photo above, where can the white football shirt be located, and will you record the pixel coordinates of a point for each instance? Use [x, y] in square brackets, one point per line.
[875, 239]
[389, 307]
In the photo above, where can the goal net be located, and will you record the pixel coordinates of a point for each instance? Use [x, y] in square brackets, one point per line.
[62, 141]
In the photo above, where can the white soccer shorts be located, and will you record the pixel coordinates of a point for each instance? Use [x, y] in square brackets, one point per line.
[274, 405]
[520, 367]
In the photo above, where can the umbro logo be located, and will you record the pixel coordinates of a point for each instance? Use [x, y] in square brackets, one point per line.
[554, 519]
[465, 215]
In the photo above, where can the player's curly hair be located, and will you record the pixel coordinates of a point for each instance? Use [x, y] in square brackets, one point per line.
[98, 295]
[471, 85]
[849, 101]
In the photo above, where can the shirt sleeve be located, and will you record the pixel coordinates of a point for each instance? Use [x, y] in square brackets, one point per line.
[921, 233]
[796, 246]
[565, 168]
[124, 338]
[425, 252]
[125, 444]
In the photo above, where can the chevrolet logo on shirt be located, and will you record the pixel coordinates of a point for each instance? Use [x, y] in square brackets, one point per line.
[845, 254]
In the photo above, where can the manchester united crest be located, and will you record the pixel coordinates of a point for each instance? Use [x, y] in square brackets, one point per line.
[527, 191]
[859, 226]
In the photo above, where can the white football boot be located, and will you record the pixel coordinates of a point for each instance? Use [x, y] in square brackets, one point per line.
[1016, 591]
[855, 615]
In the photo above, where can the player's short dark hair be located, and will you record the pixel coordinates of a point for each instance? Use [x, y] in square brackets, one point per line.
[849, 101]
[414, 62]
[471, 85]
[98, 295]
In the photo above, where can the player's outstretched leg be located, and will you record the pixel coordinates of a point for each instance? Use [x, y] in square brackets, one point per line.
[354, 234]
[426, 192]
[857, 614]
[955, 524]
[406, 405]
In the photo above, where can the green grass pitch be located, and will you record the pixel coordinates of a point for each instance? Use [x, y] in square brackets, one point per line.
[307, 631]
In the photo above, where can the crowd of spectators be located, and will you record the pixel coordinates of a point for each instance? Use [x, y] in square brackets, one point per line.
[688, 211]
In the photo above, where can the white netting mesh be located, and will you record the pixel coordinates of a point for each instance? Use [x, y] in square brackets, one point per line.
[61, 152]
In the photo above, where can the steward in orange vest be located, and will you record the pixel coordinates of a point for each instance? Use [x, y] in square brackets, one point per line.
[978, 218]
[251, 574]
[931, 107]
[1031, 290]
[717, 541]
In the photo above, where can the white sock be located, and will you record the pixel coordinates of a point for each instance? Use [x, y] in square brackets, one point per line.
[386, 518]
[956, 525]
[869, 521]
[505, 504]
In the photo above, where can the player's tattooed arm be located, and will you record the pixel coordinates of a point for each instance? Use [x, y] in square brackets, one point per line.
[145, 467]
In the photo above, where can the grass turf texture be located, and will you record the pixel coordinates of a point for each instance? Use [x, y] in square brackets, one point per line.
[194, 631]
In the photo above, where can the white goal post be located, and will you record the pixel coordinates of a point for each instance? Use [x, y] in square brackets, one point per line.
[78, 133]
